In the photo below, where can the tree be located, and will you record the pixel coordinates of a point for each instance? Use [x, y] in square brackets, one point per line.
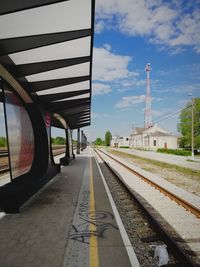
[59, 140]
[98, 141]
[108, 138]
[185, 124]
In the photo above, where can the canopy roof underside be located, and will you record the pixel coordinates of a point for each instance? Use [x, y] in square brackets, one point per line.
[47, 46]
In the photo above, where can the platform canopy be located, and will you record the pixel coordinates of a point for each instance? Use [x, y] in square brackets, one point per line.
[47, 46]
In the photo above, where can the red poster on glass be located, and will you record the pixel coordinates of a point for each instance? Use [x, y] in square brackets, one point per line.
[47, 120]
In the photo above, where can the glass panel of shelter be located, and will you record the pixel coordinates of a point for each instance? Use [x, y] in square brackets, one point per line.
[20, 133]
[4, 162]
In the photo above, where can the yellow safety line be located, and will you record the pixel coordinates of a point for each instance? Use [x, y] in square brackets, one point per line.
[94, 259]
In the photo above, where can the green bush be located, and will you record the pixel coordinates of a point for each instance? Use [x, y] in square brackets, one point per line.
[3, 141]
[124, 146]
[59, 140]
[174, 151]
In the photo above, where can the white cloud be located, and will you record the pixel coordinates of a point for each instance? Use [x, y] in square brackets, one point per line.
[189, 31]
[107, 47]
[157, 113]
[108, 66]
[129, 101]
[186, 88]
[98, 115]
[131, 84]
[135, 17]
[169, 24]
[101, 89]
[142, 19]
[99, 26]
[111, 67]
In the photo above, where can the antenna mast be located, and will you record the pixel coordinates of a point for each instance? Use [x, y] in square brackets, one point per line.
[148, 116]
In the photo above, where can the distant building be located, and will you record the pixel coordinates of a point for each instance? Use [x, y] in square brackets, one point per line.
[152, 138]
[120, 141]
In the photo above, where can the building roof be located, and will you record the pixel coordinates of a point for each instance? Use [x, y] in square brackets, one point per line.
[158, 133]
[46, 46]
[152, 131]
[139, 130]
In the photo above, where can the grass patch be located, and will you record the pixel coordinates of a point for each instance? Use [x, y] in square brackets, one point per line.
[174, 152]
[174, 167]
[149, 169]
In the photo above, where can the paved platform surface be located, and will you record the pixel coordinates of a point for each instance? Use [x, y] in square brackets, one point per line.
[69, 223]
[168, 158]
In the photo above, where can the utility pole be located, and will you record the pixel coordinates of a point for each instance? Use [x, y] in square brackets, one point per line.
[192, 130]
[192, 126]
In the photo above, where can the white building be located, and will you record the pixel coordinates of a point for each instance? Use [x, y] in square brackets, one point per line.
[152, 139]
[120, 141]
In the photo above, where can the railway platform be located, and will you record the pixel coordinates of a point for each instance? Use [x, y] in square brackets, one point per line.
[69, 222]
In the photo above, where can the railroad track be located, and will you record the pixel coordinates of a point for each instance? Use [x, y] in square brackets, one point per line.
[181, 249]
[3, 153]
[56, 152]
[188, 206]
[4, 168]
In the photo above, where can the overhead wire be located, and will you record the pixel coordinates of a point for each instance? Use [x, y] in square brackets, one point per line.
[170, 115]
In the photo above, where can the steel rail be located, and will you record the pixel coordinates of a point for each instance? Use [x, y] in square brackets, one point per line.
[5, 168]
[3, 154]
[175, 248]
[188, 206]
[59, 152]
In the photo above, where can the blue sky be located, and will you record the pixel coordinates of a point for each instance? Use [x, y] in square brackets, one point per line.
[129, 34]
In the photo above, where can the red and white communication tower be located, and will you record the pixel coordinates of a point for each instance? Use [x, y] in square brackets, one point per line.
[147, 114]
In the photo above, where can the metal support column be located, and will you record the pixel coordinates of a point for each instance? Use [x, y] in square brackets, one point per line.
[78, 141]
[82, 140]
[71, 134]
[85, 143]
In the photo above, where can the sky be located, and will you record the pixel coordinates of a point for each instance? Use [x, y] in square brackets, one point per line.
[128, 35]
